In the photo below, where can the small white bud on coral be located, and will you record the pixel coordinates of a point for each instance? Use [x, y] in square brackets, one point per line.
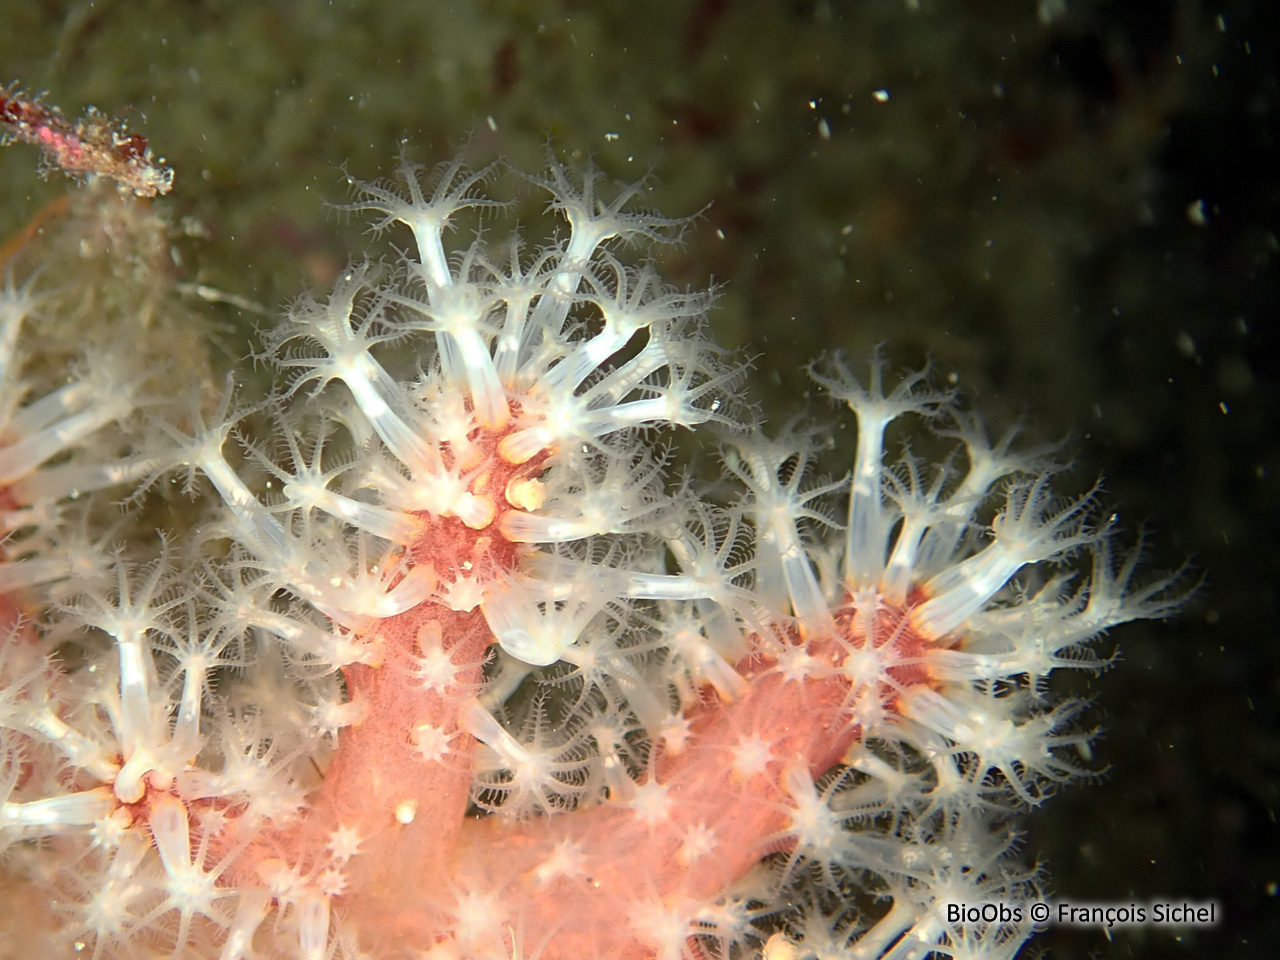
[332, 882]
[431, 742]
[476, 512]
[526, 494]
[699, 842]
[406, 812]
[675, 733]
[344, 843]
[652, 802]
[567, 860]
[751, 757]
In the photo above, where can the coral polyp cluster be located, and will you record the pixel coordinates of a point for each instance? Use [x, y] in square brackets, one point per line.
[457, 665]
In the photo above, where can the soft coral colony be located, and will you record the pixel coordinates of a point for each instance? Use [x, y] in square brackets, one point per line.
[460, 668]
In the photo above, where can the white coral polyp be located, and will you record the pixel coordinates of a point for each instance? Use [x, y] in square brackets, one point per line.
[542, 373]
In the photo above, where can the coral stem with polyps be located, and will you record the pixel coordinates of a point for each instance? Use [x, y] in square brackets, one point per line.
[462, 671]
